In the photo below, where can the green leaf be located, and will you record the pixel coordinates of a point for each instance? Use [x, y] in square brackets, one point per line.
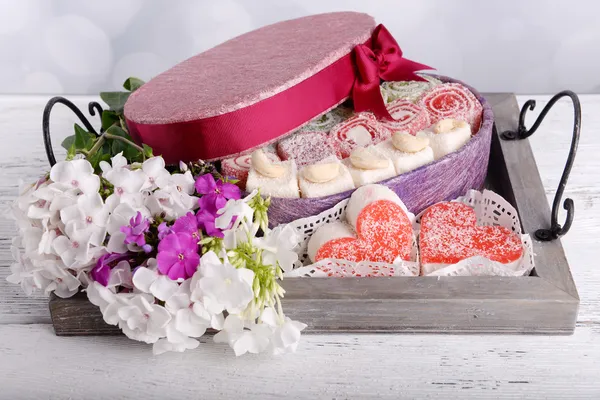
[117, 130]
[95, 159]
[147, 150]
[68, 142]
[129, 152]
[117, 146]
[132, 84]
[83, 139]
[115, 100]
[109, 118]
[71, 151]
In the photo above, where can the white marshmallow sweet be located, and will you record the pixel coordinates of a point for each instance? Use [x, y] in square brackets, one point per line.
[409, 157]
[283, 183]
[446, 136]
[365, 195]
[368, 165]
[326, 177]
[324, 234]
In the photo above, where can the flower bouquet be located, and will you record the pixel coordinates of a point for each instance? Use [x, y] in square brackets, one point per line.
[166, 253]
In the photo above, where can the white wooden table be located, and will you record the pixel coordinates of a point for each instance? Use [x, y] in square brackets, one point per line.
[36, 364]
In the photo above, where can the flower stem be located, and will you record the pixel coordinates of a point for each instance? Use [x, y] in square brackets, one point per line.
[96, 146]
[122, 139]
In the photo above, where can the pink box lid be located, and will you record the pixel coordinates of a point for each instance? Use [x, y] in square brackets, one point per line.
[207, 106]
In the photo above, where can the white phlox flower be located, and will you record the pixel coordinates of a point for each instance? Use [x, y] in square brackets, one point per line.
[220, 286]
[76, 174]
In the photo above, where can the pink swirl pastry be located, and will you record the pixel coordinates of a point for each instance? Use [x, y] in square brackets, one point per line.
[238, 167]
[408, 117]
[360, 130]
[452, 100]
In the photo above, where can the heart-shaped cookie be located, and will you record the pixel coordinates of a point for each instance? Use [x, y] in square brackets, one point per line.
[383, 233]
[449, 234]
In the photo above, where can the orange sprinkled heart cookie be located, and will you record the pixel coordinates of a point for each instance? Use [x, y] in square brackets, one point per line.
[382, 230]
[449, 234]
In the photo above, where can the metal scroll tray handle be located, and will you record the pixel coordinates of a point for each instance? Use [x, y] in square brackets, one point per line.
[556, 230]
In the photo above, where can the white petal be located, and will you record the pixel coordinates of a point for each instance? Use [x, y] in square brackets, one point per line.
[233, 324]
[116, 243]
[217, 321]
[159, 319]
[118, 161]
[111, 313]
[120, 275]
[163, 287]
[83, 166]
[143, 278]
[289, 334]
[247, 275]
[245, 343]
[189, 324]
[105, 166]
[68, 287]
[90, 184]
[269, 316]
[177, 302]
[62, 171]
[163, 345]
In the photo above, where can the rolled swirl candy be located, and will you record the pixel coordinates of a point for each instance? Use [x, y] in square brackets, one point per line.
[238, 167]
[452, 100]
[360, 130]
[328, 120]
[408, 117]
[407, 90]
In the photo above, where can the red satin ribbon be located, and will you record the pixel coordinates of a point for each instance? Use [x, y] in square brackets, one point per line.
[357, 74]
[380, 60]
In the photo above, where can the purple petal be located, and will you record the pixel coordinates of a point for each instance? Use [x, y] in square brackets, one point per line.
[205, 184]
[147, 248]
[220, 201]
[169, 243]
[163, 230]
[187, 224]
[100, 273]
[191, 263]
[208, 202]
[140, 240]
[230, 191]
[166, 260]
[177, 271]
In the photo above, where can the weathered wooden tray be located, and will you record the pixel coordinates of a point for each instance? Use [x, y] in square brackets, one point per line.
[545, 302]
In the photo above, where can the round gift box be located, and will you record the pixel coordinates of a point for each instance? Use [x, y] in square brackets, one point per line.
[444, 179]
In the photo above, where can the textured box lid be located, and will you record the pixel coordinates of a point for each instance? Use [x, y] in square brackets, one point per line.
[250, 90]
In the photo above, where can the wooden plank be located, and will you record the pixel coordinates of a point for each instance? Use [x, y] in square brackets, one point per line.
[36, 364]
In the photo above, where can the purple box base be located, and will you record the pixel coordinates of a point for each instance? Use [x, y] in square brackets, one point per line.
[444, 179]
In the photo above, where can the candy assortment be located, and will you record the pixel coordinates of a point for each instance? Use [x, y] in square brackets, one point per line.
[343, 150]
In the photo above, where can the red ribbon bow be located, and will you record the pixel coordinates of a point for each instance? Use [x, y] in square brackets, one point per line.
[382, 59]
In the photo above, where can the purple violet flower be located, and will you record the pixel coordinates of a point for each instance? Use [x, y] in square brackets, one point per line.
[138, 225]
[101, 272]
[206, 221]
[178, 255]
[163, 230]
[187, 224]
[215, 193]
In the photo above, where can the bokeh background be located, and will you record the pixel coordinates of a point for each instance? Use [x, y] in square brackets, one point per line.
[85, 46]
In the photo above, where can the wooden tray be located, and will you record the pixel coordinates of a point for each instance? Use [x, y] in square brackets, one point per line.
[545, 302]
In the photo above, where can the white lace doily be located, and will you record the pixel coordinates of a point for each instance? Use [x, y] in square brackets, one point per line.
[490, 209]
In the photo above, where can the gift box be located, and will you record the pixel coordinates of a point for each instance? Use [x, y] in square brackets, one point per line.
[259, 87]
